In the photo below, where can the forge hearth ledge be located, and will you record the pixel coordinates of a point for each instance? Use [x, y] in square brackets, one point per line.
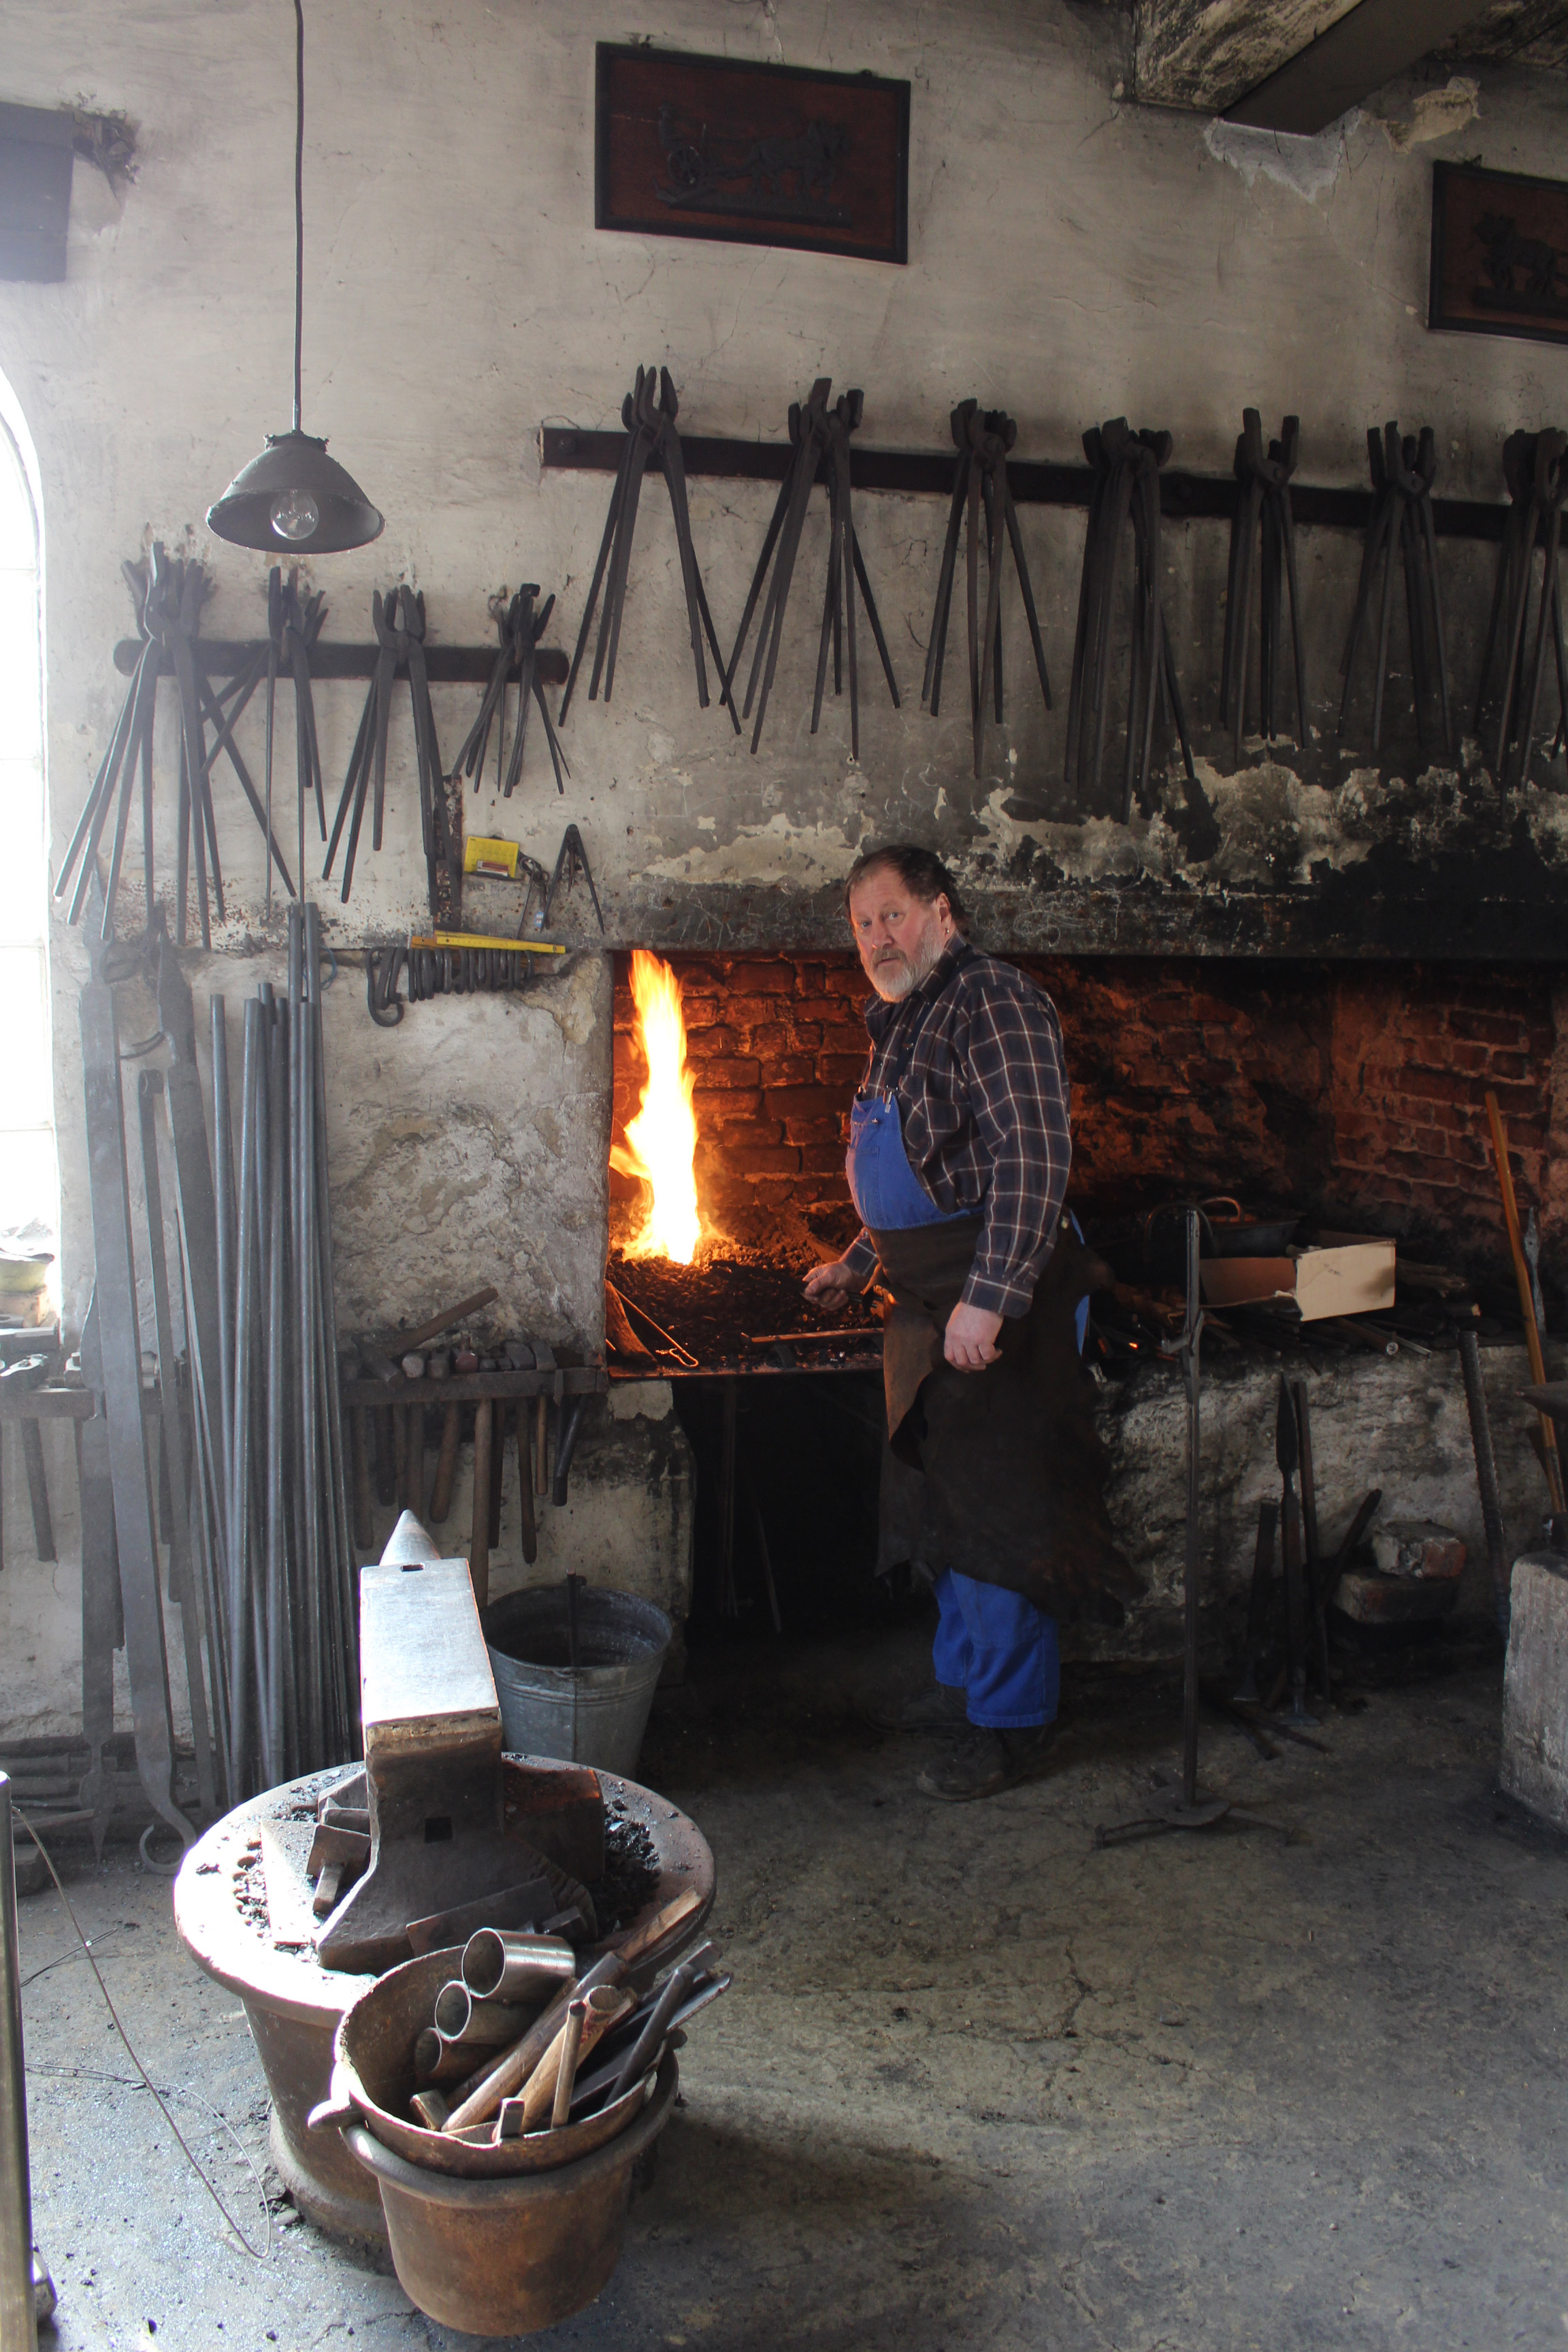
[1398, 1422]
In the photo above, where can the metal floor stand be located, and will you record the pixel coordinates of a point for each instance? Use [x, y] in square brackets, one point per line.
[1193, 1807]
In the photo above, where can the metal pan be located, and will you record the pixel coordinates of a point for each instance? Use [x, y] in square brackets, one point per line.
[373, 2079]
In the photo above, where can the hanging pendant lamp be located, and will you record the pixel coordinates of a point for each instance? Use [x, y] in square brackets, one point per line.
[294, 498]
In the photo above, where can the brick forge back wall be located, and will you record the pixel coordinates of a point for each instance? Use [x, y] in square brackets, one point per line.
[777, 1047]
[1358, 1090]
[1414, 1052]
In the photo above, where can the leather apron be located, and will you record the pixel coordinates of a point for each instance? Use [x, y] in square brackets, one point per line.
[999, 1474]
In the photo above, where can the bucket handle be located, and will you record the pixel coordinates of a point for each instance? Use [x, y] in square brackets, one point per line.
[337, 2108]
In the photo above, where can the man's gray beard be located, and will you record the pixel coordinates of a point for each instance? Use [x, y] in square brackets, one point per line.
[894, 981]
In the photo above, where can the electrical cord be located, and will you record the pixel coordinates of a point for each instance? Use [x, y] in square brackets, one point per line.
[89, 2074]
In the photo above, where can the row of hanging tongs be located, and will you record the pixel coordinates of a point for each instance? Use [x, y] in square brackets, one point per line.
[1535, 468]
[819, 441]
[168, 593]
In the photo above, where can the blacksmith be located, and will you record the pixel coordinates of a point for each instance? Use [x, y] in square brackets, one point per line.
[959, 1152]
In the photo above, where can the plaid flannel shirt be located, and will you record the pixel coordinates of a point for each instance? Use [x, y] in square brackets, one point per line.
[974, 1058]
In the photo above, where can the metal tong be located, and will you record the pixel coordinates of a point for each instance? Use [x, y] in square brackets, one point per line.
[1535, 468]
[820, 436]
[293, 624]
[1403, 473]
[649, 414]
[980, 478]
[399, 634]
[1260, 567]
[1126, 487]
[572, 861]
[519, 628]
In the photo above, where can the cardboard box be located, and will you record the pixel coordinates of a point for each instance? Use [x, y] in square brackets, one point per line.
[1357, 1278]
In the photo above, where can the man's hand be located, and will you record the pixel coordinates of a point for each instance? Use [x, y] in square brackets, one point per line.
[832, 1285]
[971, 1342]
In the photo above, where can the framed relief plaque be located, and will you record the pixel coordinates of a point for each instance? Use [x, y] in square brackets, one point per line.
[1500, 254]
[754, 154]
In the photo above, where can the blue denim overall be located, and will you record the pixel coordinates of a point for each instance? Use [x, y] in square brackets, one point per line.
[991, 1643]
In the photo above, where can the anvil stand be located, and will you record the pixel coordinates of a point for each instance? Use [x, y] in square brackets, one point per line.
[1192, 1809]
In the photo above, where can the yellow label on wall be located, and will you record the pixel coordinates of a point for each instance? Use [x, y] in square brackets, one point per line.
[497, 858]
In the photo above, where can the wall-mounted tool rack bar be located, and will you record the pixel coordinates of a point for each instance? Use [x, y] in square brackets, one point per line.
[1034, 481]
[444, 665]
[405, 1401]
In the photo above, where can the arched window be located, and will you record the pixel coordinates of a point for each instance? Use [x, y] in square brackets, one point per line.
[29, 1180]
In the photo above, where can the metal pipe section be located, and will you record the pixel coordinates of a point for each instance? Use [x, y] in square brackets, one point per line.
[511, 1964]
[478, 2024]
[18, 2324]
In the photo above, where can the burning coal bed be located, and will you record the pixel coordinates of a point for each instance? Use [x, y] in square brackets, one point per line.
[730, 1310]
[678, 1297]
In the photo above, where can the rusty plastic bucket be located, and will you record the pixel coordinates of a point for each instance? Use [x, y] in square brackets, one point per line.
[507, 2257]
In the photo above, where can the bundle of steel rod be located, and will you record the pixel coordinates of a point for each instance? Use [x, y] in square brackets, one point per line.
[399, 621]
[820, 436]
[981, 475]
[1259, 573]
[271, 1521]
[649, 414]
[1403, 473]
[168, 593]
[1126, 486]
[1535, 468]
[519, 628]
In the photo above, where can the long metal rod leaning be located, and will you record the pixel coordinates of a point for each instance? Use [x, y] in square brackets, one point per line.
[19, 2328]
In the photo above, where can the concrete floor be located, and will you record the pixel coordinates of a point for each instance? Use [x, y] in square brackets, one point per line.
[977, 2084]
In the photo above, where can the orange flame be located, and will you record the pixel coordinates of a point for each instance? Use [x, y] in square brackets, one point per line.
[661, 1141]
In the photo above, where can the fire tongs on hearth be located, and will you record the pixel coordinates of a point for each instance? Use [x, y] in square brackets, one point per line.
[399, 621]
[649, 414]
[1403, 473]
[1126, 486]
[169, 594]
[980, 476]
[519, 628]
[1260, 569]
[1535, 468]
[820, 436]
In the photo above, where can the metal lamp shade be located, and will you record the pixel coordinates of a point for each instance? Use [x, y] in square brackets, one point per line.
[297, 463]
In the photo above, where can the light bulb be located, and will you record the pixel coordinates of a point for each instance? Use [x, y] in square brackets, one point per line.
[295, 514]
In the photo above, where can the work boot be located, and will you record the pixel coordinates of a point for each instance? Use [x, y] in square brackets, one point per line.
[936, 1709]
[986, 1763]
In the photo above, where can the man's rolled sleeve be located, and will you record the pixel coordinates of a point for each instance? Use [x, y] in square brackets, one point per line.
[1019, 1102]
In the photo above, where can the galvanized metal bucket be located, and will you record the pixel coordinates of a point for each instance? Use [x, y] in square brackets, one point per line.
[506, 2257]
[598, 1714]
